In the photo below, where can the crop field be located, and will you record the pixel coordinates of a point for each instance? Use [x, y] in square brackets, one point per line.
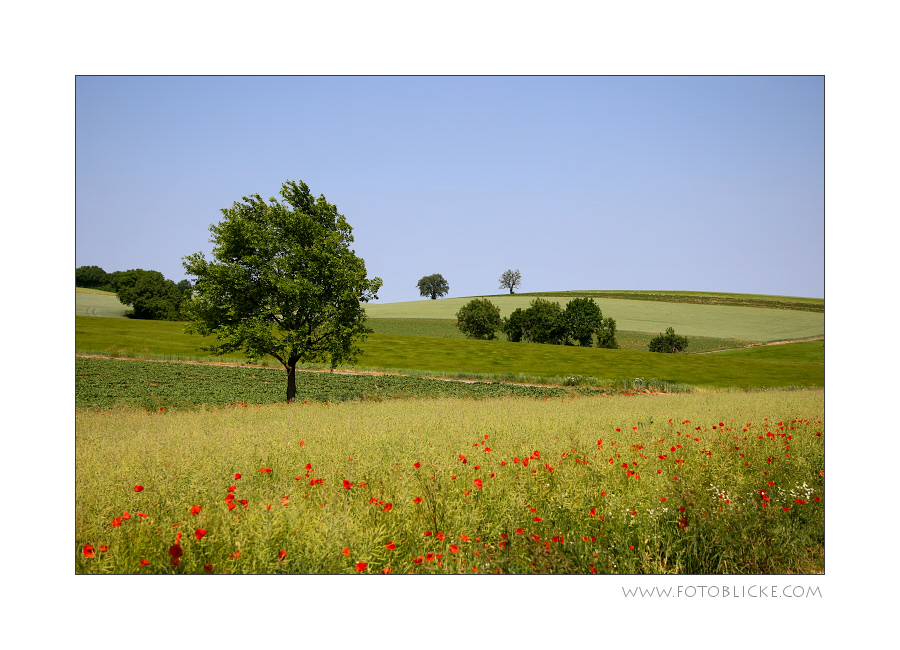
[105, 383]
[724, 483]
[92, 302]
[651, 317]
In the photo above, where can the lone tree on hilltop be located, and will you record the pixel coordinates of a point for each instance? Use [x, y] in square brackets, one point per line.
[479, 319]
[510, 280]
[433, 286]
[668, 342]
[285, 283]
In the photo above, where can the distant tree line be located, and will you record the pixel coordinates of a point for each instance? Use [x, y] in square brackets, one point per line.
[581, 322]
[149, 294]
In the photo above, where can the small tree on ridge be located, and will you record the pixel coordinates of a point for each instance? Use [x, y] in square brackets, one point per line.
[510, 280]
[433, 286]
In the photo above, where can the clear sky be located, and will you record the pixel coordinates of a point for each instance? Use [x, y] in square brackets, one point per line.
[650, 183]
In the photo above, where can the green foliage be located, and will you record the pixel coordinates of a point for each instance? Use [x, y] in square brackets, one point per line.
[433, 286]
[479, 319]
[90, 277]
[584, 321]
[668, 342]
[150, 295]
[510, 280]
[284, 282]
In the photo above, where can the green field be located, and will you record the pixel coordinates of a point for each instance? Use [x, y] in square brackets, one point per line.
[714, 321]
[464, 357]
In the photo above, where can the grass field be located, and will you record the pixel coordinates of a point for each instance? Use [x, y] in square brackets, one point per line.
[464, 357]
[713, 321]
[726, 483]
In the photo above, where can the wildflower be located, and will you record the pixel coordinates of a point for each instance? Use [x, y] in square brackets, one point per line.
[478, 483]
[593, 512]
[346, 551]
[418, 560]
[138, 488]
[281, 555]
[266, 470]
[232, 488]
[538, 519]
[126, 515]
[417, 465]
[116, 522]
[440, 536]
[386, 570]
[104, 548]
[237, 476]
[284, 501]
[417, 500]
[235, 555]
[454, 548]
[388, 507]
[145, 562]
[662, 498]
[142, 514]
[519, 531]
[347, 484]
[361, 566]
[390, 546]
[207, 568]
[88, 551]
[199, 533]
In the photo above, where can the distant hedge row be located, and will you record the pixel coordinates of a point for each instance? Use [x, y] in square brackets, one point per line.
[149, 294]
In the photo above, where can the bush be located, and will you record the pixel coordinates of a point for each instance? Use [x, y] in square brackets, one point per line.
[542, 322]
[150, 295]
[668, 342]
[479, 319]
[584, 320]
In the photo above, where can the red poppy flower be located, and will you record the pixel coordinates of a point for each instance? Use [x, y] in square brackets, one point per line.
[284, 501]
[631, 547]
[390, 546]
[138, 488]
[454, 548]
[207, 568]
[302, 442]
[361, 566]
[237, 476]
[199, 533]
[346, 551]
[142, 514]
[662, 498]
[429, 557]
[175, 551]
[593, 512]
[386, 570]
[538, 519]
[126, 515]
[232, 488]
[116, 522]
[266, 470]
[231, 505]
[145, 562]
[464, 537]
[418, 560]
[786, 508]
[417, 465]
[88, 551]
[440, 536]
[235, 555]
[536, 538]
[195, 510]
[417, 500]
[478, 483]
[281, 555]
[428, 533]
[388, 507]
[347, 484]
[104, 548]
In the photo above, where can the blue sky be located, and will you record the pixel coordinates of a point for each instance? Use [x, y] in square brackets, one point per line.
[650, 183]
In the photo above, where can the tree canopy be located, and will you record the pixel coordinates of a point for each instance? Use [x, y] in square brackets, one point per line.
[510, 280]
[284, 282]
[479, 319]
[433, 286]
[546, 322]
[150, 295]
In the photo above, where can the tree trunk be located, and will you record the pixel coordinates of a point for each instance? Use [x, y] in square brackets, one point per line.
[292, 384]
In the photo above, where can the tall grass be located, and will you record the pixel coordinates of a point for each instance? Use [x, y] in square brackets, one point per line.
[668, 490]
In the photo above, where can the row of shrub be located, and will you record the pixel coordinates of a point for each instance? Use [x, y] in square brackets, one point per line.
[149, 294]
[581, 322]
[545, 321]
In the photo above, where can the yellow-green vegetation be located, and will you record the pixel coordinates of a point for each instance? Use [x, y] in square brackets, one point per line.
[93, 292]
[652, 317]
[93, 302]
[679, 484]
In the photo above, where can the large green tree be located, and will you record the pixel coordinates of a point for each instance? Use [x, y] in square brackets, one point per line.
[284, 282]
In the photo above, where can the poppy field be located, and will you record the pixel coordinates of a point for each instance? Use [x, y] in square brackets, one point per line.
[717, 483]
